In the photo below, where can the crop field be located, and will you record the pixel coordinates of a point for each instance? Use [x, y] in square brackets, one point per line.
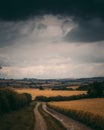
[87, 111]
[95, 106]
[48, 93]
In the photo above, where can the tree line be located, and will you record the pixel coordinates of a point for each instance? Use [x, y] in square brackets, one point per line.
[95, 89]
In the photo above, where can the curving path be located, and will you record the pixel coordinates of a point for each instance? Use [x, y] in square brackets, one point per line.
[39, 121]
[69, 123]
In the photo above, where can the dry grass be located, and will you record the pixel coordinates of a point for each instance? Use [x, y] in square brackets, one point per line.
[95, 106]
[48, 93]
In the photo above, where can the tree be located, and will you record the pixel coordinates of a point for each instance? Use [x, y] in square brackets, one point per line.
[41, 88]
[95, 90]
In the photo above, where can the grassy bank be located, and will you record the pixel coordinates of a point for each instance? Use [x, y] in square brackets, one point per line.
[94, 121]
[51, 122]
[22, 119]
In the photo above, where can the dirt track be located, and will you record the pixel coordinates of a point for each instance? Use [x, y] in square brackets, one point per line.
[69, 123]
[39, 123]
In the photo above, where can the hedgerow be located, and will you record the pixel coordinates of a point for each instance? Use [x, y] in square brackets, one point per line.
[11, 100]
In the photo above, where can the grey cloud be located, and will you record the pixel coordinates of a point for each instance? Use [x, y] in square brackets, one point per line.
[6, 33]
[15, 32]
[98, 60]
[10, 32]
[41, 26]
[86, 31]
[4, 61]
[91, 59]
[36, 47]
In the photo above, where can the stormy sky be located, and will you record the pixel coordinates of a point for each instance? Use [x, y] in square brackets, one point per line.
[51, 38]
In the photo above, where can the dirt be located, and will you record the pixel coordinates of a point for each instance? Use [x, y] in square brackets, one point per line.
[68, 123]
[39, 121]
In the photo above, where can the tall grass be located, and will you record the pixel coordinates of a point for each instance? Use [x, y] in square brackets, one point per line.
[22, 119]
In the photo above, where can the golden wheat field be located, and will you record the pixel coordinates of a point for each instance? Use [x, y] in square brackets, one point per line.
[48, 93]
[95, 106]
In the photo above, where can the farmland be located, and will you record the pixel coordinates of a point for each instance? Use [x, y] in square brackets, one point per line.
[87, 111]
[48, 92]
[94, 106]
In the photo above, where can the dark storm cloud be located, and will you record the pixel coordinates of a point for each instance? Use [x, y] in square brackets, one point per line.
[20, 9]
[87, 31]
[37, 47]
[7, 32]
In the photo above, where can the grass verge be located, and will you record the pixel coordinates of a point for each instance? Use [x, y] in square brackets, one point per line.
[22, 119]
[51, 122]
